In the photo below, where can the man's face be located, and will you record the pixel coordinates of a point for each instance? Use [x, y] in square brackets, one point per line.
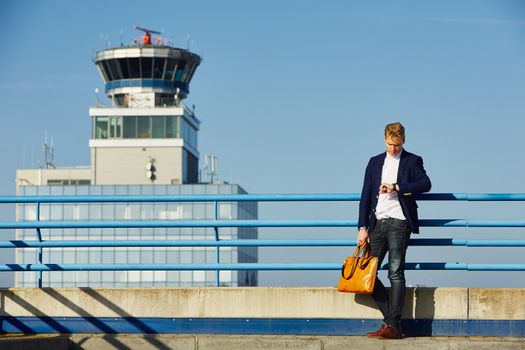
[394, 145]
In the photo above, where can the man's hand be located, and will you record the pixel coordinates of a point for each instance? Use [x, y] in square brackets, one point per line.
[362, 237]
[386, 188]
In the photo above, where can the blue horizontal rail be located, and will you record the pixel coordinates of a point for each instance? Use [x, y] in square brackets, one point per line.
[242, 223]
[249, 266]
[485, 197]
[252, 243]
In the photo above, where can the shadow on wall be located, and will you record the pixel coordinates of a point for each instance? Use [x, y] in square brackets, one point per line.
[418, 312]
[53, 324]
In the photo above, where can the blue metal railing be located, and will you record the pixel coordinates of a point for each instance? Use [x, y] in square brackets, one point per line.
[216, 224]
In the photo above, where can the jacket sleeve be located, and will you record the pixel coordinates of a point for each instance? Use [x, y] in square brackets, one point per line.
[419, 180]
[365, 204]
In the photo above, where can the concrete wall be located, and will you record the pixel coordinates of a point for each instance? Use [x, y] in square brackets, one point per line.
[420, 303]
[127, 166]
[40, 177]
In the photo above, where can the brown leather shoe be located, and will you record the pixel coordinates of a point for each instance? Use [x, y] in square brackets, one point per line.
[391, 332]
[377, 333]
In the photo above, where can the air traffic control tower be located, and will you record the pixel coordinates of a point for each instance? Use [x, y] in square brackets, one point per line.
[147, 136]
[144, 143]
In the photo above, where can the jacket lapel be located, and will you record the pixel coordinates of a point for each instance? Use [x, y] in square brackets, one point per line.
[402, 165]
[379, 170]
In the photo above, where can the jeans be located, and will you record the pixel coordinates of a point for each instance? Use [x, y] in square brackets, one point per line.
[392, 236]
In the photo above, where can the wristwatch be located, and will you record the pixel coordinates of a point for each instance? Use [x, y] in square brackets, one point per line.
[362, 228]
[394, 185]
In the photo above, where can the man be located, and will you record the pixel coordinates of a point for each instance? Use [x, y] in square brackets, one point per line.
[387, 216]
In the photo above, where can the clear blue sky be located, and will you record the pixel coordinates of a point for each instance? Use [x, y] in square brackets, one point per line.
[293, 95]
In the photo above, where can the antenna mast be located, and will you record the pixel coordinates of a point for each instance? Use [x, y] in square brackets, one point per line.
[210, 164]
[48, 154]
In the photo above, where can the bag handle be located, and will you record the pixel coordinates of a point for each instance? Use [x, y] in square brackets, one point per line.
[367, 257]
[357, 252]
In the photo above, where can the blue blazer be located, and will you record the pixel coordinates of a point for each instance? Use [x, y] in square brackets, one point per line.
[412, 180]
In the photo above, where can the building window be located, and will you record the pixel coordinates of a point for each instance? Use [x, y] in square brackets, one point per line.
[147, 64]
[158, 125]
[120, 100]
[158, 67]
[186, 72]
[105, 68]
[171, 127]
[164, 100]
[130, 127]
[68, 183]
[180, 70]
[124, 68]
[189, 168]
[144, 127]
[108, 127]
[114, 127]
[101, 127]
[170, 69]
[134, 68]
[190, 75]
[114, 66]
[189, 134]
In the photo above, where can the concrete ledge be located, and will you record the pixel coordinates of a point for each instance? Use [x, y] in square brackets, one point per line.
[497, 304]
[420, 303]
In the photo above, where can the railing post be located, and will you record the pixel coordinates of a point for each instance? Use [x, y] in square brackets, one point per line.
[40, 249]
[217, 249]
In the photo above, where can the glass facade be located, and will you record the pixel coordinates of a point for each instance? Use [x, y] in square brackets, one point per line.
[144, 127]
[125, 255]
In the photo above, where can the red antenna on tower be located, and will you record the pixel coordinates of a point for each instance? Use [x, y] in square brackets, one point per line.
[146, 39]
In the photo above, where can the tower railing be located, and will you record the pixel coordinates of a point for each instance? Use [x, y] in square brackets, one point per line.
[217, 224]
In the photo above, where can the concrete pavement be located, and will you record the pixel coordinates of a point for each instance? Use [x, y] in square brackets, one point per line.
[249, 342]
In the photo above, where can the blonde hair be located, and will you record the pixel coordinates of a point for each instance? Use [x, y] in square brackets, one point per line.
[395, 130]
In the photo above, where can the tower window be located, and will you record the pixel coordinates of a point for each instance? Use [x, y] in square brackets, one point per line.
[134, 68]
[130, 127]
[108, 127]
[124, 68]
[101, 127]
[115, 127]
[180, 70]
[143, 127]
[190, 74]
[186, 72]
[171, 127]
[170, 69]
[114, 66]
[158, 127]
[105, 68]
[147, 65]
[158, 68]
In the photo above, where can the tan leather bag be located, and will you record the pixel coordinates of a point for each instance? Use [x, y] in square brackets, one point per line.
[358, 274]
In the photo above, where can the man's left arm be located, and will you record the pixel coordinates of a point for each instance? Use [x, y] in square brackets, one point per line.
[418, 182]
